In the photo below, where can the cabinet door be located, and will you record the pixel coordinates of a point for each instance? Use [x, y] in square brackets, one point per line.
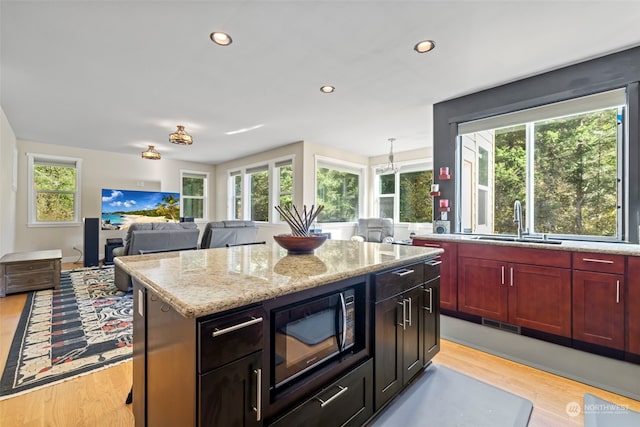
[482, 289]
[598, 308]
[633, 307]
[230, 395]
[430, 320]
[388, 345]
[540, 298]
[448, 272]
[412, 346]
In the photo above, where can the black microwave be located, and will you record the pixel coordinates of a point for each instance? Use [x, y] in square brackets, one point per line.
[310, 333]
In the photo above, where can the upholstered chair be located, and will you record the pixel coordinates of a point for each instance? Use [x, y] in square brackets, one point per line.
[374, 230]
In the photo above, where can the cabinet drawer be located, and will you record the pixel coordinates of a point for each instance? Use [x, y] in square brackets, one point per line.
[398, 280]
[432, 268]
[227, 338]
[346, 402]
[31, 266]
[604, 263]
[29, 282]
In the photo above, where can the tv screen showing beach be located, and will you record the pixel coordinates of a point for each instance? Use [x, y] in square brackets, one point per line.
[121, 208]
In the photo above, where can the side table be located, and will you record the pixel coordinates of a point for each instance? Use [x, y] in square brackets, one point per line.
[109, 246]
[30, 271]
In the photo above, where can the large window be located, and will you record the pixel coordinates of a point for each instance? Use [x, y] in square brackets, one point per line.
[562, 161]
[194, 194]
[338, 189]
[54, 184]
[405, 196]
[255, 191]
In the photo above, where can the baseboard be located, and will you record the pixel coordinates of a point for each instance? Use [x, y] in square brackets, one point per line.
[616, 376]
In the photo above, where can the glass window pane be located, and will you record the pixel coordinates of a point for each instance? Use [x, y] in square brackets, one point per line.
[416, 203]
[386, 207]
[576, 174]
[192, 207]
[55, 207]
[387, 185]
[259, 185]
[510, 175]
[483, 166]
[237, 197]
[338, 192]
[55, 178]
[192, 186]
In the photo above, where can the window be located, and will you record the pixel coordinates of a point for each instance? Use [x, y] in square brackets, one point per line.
[54, 184]
[255, 191]
[259, 193]
[562, 161]
[194, 194]
[405, 196]
[285, 183]
[338, 189]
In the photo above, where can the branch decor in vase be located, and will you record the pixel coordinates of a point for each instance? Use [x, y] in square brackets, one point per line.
[301, 240]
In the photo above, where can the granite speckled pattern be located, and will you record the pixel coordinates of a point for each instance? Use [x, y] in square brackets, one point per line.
[206, 281]
[567, 245]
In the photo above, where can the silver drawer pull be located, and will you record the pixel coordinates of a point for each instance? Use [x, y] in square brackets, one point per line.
[217, 332]
[258, 407]
[430, 245]
[324, 403]
[403, 272]
[601, 261]
[433, 262]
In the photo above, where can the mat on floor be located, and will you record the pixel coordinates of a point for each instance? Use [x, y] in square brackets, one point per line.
[601, 413]
[444, 397]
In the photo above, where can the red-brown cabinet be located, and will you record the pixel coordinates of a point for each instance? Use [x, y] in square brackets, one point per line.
[448, 272]
[633, 309]
[599, 300]
[526, 287]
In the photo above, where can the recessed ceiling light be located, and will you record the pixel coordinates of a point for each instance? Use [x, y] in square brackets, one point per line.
[223, 39]
[327, 89]
[424, 46]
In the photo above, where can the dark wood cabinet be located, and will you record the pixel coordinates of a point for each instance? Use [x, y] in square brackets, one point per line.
[448, 272]
[430, 319]
[599, 300]
[534, 296]
[399, 336]
[632, 345]
[345, 402]
[230, 395]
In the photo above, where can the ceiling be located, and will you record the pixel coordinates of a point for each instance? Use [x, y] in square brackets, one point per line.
[120, 75]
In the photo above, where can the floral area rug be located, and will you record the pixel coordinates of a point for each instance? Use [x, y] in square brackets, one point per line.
[62, 333]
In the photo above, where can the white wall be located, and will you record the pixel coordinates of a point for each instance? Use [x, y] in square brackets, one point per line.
[7, 192]
[100, 169]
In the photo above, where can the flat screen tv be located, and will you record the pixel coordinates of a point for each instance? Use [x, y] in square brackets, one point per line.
[121, 208]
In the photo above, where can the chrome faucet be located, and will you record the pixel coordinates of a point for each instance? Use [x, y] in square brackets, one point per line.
[519, 219]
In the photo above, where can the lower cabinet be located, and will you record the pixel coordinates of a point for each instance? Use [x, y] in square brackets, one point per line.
[230, 395]
[346, 402]
[632, 345]
[430, 320]
[532, 296]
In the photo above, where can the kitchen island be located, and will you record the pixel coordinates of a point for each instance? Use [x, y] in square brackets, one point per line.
[208, 348]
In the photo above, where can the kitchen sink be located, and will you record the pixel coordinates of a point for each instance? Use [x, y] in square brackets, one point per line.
[515, 239]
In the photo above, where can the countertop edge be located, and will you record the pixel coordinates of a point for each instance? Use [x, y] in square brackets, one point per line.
[622, 248]
[190, 311]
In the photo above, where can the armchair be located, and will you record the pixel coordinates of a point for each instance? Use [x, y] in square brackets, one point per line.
[374, 230]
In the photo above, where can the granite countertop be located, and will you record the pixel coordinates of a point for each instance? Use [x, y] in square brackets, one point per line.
[206, 281]
[567, 245]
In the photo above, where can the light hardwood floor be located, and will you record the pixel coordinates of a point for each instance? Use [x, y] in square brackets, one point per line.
[97, 399]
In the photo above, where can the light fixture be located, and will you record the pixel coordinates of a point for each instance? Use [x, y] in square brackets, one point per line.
[151, 154]
[424, 46]
[391, 166]
[327, 89]
[223, 39]
[181, 137]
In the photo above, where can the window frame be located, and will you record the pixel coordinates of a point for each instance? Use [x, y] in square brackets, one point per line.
[403, 167]
[556, 110]
[32, 160]
[205, 191]
[347, 167]
[272, 167]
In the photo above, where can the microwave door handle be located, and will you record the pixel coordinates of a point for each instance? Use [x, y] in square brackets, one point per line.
[344, 321]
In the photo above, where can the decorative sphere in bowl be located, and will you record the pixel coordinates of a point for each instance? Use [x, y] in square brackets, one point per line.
[297, 245]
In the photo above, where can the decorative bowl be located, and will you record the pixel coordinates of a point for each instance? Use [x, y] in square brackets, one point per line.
[298, 245]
